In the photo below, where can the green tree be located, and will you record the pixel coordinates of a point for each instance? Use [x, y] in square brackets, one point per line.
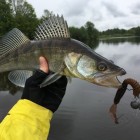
[88, 34]
[6, 17]
[78, 33]
[92, 33]
[118, 32]
[137, 31]
[25, 17]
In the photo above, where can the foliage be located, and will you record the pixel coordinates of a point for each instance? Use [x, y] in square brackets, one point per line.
[120, 32]
[78, 33]
[92, 33]
[18, 14]
[137, 31]
[25, 17]
[6, 18]
[88, 34]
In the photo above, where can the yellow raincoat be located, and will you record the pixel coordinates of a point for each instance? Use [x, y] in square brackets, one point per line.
[26, 121]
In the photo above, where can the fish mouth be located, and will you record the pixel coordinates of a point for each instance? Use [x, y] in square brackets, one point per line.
[110, 79]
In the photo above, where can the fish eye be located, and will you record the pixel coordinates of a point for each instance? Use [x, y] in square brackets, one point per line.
[101, 66]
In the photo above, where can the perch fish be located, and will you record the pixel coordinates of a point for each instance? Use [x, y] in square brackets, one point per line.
[66, 56]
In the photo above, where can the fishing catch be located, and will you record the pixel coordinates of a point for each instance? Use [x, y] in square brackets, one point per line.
[66, 56]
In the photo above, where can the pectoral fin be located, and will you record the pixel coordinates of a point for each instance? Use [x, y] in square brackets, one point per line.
[53, 77]
[19, 77]
[50, 79]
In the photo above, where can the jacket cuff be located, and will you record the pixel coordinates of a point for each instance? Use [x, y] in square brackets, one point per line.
[31, 110]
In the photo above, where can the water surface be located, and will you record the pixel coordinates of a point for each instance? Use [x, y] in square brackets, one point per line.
[83, 114]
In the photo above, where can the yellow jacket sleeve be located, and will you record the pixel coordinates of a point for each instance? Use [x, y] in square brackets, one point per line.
[26, 121]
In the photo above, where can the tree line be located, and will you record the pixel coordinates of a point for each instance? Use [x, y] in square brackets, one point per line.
[20, 14]
[135, 31]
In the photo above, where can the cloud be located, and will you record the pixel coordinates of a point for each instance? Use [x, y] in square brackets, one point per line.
[75, 9]
[105, 14]
[113, 10]
[136, 9]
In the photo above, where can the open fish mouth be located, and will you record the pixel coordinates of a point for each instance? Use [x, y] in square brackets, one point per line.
[109, 80]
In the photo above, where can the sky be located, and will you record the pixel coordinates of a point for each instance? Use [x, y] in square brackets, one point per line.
[105, 14]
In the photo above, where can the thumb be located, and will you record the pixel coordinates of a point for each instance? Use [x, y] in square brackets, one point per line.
[43, 64]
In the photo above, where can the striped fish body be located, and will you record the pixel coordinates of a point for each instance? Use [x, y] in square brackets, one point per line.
[65, 56]
[55, 50]
[26, 56]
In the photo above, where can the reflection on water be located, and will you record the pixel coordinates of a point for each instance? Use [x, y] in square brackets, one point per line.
[83, 113]
[5, 84]
[118, 40]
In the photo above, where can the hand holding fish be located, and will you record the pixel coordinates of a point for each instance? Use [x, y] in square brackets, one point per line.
[32, 114]
[50, 96]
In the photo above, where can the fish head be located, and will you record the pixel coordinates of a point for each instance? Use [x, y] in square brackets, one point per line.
[93, 68]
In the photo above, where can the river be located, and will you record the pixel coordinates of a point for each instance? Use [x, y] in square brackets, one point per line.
[83, 114]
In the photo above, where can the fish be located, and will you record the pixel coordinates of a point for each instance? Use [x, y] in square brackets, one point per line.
[65, 55]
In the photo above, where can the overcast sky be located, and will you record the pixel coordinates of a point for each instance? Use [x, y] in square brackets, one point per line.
[105, 14]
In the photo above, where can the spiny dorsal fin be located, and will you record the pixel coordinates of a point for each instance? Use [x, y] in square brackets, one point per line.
[13, 39]
[53, 27]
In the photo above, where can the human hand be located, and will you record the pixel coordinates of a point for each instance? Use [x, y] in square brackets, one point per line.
[50, 96]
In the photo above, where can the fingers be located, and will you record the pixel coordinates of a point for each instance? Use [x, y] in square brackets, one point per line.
[43, 64]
